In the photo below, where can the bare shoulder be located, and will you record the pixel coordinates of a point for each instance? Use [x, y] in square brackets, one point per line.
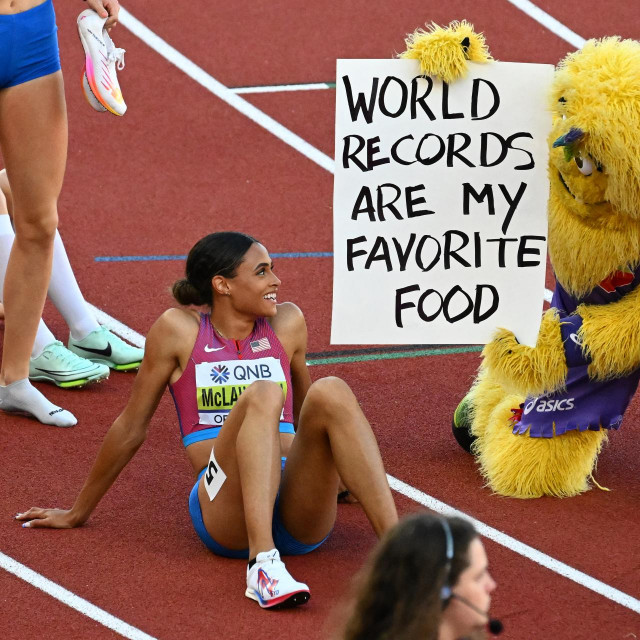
[173, 327]
[289, 318]
[290, 327]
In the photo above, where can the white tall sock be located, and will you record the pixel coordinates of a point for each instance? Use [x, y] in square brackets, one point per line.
[43, 336]
[66, 295]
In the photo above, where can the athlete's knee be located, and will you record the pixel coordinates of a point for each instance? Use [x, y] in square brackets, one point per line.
[331, 394]
[39, 227]
[264, 394]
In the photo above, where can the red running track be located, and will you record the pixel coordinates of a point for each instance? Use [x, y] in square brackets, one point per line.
[181, 164]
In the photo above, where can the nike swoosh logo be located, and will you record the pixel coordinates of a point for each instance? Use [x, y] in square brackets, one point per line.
[101, 352]
[57, 372]
[209, 349]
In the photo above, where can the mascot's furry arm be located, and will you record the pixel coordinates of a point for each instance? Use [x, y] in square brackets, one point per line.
[444, 52]
[611, 336]
[529, 370]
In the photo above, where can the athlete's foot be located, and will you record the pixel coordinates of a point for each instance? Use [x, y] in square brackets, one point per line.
[107, 348]
[271, 585]
[22, 397]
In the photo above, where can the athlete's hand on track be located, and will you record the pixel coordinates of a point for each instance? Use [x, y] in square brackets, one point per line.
[344, 495]
[106, 8]
[48, 518]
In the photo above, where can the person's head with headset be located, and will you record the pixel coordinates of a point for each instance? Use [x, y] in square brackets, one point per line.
[428, 579]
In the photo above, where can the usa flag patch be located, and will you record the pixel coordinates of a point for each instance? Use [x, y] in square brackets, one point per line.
[260, 345]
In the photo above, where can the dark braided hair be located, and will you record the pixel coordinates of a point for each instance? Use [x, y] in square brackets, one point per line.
[218, 254]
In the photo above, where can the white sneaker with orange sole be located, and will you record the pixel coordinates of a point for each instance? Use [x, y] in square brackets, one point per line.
[102, 58]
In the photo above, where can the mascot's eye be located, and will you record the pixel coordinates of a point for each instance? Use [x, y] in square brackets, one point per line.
[585, 166]
[561, 103]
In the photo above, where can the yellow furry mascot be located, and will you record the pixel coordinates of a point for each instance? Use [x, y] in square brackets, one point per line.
[536, 418]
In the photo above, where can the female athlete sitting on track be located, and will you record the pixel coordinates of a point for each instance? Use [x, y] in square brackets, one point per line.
[240, 383]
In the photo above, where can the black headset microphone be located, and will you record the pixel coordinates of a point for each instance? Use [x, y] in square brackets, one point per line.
[494, 625]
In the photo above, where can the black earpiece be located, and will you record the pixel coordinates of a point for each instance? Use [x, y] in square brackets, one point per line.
[446, 592]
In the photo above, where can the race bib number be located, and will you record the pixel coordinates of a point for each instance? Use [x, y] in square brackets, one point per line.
[214, 477]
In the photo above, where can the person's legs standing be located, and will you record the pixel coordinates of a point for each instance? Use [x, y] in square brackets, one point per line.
[33, 137]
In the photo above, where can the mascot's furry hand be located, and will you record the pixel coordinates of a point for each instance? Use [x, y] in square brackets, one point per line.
[529, 370]
[444, 52]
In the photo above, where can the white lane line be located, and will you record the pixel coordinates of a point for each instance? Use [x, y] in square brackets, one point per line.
[70, 599]
[518, 547]
[114, 325]
[224, 93]
[549, 22]
[284, 87]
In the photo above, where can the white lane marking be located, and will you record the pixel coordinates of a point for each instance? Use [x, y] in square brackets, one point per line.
[284, 87]
[518, 547]
[549, 22]
[114, 325]
[71, 599]
[224, 93]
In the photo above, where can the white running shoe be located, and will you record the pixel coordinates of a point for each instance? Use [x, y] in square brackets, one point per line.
[107, 348]
[89, 95]
[101, 59]
[270, 584]
[62, 367]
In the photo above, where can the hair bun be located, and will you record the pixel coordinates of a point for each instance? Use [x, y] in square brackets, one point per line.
[185, 293]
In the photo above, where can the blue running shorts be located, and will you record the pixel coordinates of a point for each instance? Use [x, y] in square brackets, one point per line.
[285, 543]
[28, 45]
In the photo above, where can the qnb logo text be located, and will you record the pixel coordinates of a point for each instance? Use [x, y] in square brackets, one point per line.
[252, 372]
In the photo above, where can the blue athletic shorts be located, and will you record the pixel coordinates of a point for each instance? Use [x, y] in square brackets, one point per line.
[28, 45]
[285, 543]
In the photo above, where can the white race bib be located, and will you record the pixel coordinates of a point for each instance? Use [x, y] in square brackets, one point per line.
[214, 477]
[220, 384]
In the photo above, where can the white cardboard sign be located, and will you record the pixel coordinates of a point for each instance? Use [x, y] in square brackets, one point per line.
[440, 200]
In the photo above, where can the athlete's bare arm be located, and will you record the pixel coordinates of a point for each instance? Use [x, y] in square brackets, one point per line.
[291, 329]
[164, 349]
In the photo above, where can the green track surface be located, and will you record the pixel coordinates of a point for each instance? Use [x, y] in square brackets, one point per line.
[393, 356]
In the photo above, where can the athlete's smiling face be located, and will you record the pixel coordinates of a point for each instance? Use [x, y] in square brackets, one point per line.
[254, 288]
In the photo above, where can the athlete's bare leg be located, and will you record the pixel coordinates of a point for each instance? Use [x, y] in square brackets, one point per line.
[33, 137]
[334, 440]
[248, 451]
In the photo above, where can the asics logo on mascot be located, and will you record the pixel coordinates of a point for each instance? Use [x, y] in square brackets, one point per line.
[547, 406]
